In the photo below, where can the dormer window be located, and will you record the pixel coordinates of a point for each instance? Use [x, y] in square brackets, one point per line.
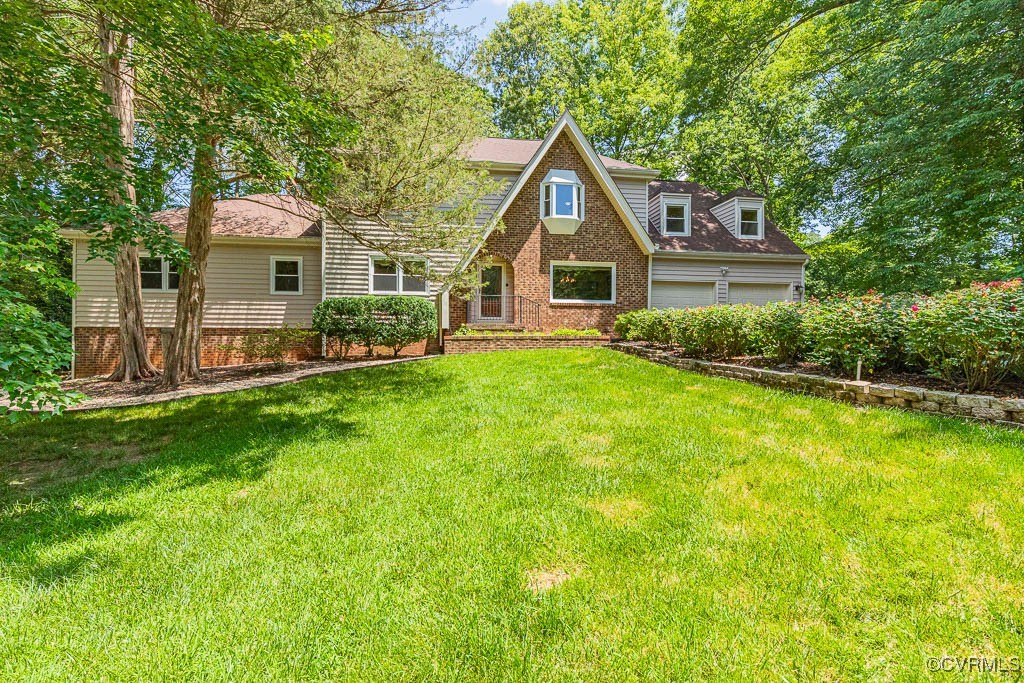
[751, 223]
[675, 215]
[562, 203]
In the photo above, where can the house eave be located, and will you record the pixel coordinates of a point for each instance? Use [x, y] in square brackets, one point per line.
[731, 255]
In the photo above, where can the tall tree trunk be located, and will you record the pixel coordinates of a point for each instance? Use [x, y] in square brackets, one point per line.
[182, 360]
[118, 82]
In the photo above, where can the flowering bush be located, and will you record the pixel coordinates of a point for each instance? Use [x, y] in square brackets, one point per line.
[841, 330]
[973, 336]
[649, 325]
[775, 331]
[712, 332]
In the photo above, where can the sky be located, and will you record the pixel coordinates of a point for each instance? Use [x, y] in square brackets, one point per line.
[480, 15]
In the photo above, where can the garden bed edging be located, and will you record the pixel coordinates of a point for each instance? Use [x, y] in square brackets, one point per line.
[1007, 412]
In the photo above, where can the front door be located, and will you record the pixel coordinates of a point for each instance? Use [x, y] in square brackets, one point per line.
[492, 284]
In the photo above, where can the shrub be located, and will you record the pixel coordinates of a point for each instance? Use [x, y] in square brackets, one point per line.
[345, 321]
[270, 345]
[403, 320]
[841, 330]
[974, 335]
[774, 331]
[571, 332]
[392, 321]
[648, 325]
[712, 332]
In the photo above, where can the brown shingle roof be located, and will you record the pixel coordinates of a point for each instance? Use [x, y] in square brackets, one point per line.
[706, 232]
[257, 215]
[508, 151]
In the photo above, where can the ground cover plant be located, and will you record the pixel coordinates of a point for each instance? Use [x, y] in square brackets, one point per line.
[567, 514]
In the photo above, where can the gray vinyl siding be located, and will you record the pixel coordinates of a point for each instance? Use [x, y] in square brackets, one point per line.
[705, 270]
[654, 211]
[347, 266]
[635, 192]
[726, 214]
[237, 289]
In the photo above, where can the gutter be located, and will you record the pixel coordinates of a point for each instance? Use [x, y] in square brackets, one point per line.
[736, 255]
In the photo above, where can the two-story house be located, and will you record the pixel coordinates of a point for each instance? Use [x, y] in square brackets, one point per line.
[585, 238]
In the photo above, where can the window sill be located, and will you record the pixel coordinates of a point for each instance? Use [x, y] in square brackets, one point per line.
[571, 302]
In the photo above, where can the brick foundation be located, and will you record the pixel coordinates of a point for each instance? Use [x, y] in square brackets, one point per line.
[510, 342]
[1008, 412]
[97, 349]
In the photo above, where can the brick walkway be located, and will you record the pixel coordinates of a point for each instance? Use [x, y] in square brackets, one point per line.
[234, 385]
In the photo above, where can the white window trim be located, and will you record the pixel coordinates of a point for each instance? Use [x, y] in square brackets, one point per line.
[598, 264]
[273, 267]
[400, 272]
[740, 207]
[165, 269]
[559, 177]
[675, 200]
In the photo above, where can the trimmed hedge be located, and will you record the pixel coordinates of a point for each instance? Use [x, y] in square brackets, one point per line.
[973, 337]
[392, 321]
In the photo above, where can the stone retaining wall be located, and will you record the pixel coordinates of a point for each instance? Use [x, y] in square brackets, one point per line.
[1003, 411]
[514, 342]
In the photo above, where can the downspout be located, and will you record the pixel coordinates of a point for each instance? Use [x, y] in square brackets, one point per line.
[650, 277]
[323, 277]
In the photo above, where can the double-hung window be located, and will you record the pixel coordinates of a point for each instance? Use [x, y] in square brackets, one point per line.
[158, 274]
[675, 215]
[750, 223]
[561, 195]
[390, 277]
[286, 275]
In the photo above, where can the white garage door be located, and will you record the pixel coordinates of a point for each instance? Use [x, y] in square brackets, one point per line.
[682, 294]
[757, 293]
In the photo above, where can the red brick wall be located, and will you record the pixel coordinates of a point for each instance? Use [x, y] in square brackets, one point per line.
[530, 248]
[97, 348]
[476, 344]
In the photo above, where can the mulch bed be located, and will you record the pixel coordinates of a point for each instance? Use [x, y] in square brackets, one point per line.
[1010, 387]
[100, 388]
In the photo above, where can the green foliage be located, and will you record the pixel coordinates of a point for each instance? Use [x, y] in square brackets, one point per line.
[33, 351]
[712, 332]
[843, 330]
[973, 336]
[392, 321]
[464, 331]
[271, 345]
[775, 331]
[646, 324]
[612, 64]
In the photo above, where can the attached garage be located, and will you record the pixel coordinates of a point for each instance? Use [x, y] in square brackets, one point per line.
[682, 294]
[758, 293]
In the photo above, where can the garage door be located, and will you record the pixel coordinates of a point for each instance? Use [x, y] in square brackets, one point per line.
[757, 293]
[682, 294]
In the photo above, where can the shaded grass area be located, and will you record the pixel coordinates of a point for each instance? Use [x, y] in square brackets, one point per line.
[547, 515]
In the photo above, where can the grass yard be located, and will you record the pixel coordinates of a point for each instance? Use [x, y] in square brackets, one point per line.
[547, 515]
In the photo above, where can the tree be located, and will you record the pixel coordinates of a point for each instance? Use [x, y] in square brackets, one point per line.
[917, 111]
[346, 108]
[613, 64]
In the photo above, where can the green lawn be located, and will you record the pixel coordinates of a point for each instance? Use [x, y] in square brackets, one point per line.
[389, 524]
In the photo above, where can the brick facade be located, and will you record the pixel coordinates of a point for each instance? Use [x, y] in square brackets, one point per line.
[477, 344]
[529, 248]
[97, 349]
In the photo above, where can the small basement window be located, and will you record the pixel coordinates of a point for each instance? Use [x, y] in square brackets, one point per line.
[158, 274]
[675, 216]
[582, 282]
[286, 275]
[389, 277]
[750, 223]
